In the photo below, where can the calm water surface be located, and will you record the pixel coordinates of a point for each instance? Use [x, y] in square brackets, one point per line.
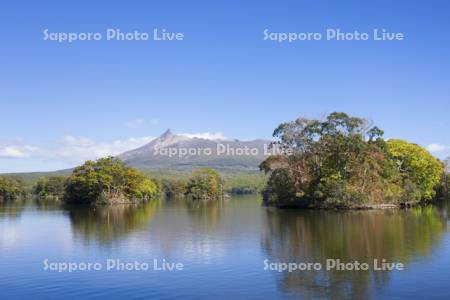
[223, 246]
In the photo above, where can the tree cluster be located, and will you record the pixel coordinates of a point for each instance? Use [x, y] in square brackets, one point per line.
[52, 186]
[343, 161]
[108, 180]
[11, 188]
[204, 184]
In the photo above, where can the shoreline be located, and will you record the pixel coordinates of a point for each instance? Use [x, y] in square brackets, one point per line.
[381, 206]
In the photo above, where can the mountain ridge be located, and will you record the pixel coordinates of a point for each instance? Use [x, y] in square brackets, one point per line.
[181, 152]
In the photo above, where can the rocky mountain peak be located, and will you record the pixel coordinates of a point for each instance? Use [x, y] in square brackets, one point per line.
[166, 134]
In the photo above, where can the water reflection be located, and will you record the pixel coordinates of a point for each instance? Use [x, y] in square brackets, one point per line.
[205, 214]
[12, 209]
[105, 224]
[225, 243]
[46, 204]
[314, 236]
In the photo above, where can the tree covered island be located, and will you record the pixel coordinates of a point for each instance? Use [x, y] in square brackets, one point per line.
[343, 162]
[110, 181]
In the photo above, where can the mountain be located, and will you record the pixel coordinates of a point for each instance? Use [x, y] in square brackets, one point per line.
[179, 152]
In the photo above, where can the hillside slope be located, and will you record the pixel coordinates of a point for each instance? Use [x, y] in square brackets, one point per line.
[178, 152]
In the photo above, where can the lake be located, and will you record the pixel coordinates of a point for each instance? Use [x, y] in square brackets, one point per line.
[228, 250]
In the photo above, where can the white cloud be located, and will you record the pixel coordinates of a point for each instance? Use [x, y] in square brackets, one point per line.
[437, 148]
[17, 150]
[206, 135]
[76, 149]
[141, 122]
[71, 150]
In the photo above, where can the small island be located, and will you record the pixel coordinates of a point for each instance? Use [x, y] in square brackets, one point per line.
[343, 162]
[204, 184]
[108, 181]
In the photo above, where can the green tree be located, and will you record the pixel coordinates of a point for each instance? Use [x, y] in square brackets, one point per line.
[420, 170]
[11, 188]
[173, 187]
[50, 186]
[443, 188]
[108, 180]
[204, 184]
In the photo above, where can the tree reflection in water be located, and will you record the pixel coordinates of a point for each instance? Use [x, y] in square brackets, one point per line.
[314, 236]
[108, 223]
[12, 209]
[205, 213]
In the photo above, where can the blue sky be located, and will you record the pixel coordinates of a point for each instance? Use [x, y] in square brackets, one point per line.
[62, 102]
